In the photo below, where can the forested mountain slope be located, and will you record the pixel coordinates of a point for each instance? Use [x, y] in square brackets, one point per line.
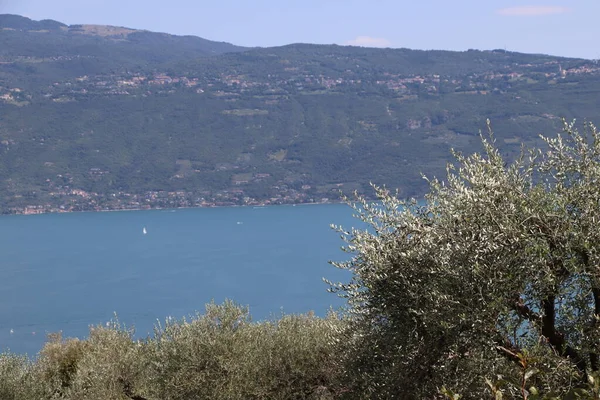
[96, 117]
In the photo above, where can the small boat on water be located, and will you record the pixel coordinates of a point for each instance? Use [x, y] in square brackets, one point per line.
[144, 231]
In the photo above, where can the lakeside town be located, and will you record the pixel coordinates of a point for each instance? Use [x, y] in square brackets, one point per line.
[74, 200]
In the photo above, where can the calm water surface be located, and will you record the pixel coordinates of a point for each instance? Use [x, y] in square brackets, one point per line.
[65, 272]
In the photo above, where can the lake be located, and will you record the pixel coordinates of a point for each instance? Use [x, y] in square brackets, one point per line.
[65, 272]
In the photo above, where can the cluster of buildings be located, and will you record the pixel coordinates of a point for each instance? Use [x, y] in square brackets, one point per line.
[299, 77]
[72, 200]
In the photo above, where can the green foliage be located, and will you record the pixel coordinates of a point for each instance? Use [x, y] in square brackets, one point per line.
[19, 379]
[59, 360]
[114, 366]
[220, 354]
[223, 355]
[495, 276]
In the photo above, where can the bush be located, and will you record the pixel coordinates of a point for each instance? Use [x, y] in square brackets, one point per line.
[19, 379]
[223, 355]
[59, 361]
[114, 366]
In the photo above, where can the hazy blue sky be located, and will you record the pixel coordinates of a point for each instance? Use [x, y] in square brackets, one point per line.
[559, 27]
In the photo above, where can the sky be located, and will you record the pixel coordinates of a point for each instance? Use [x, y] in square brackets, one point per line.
[561, 27]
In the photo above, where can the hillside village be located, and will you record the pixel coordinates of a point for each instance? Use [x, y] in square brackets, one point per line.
[272, 86]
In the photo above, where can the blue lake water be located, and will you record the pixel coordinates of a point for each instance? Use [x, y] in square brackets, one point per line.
[65, 272]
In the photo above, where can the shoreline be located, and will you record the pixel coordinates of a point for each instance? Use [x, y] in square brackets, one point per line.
[60, 211]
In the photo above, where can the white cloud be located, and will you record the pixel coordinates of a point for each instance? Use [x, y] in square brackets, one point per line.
[532, 11]
[367, 41]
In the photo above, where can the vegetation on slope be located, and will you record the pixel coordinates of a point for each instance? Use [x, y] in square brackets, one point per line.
[143, 119]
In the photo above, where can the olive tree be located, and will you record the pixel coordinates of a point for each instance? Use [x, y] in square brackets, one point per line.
[491, 286]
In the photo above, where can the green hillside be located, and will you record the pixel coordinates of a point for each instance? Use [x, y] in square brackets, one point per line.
[95, 117]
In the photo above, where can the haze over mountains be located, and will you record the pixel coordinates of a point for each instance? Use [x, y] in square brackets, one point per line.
[98, 117]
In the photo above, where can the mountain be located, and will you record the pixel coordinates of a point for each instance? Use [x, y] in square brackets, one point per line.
[97, 117]
[61, 37]
[93, 49]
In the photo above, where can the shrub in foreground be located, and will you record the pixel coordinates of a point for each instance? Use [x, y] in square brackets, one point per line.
[223, 355]
[20, 379]
[220, 354]
[114, 366]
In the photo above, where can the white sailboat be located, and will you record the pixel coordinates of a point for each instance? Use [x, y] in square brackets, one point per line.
[144, 231]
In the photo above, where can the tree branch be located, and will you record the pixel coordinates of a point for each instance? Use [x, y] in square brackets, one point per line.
[594, 361]
[556, 339]
[585, 259]
[524, 311]
[508, 350]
